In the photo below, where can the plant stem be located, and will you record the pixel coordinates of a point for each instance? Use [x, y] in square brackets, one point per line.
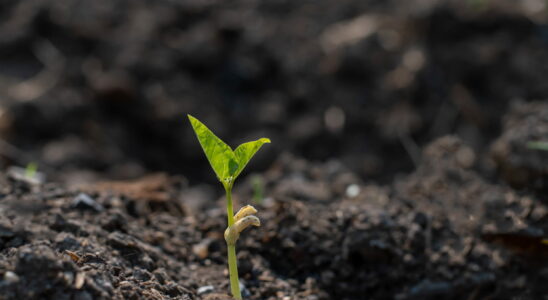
[229, 209]
[233, 270]
[232, 260]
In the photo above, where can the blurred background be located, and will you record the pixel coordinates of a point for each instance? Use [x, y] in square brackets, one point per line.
[100, 89]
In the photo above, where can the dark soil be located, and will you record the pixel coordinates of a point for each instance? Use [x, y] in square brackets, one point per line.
[399, 168]
[440, 233]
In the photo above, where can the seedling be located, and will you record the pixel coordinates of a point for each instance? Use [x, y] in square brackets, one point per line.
[30, 170]
[258, 189]
[227, 165]
[538, 145]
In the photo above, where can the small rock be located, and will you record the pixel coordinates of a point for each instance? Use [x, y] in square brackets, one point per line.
[245, 292]
[79, 280]
[84, 201]
[352, 190]
[205, 289]
[202, 249]
[11, 277]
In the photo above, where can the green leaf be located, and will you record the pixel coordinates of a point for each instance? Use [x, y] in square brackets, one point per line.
[226, 163]
[538, 145]
[220, 155]
[246, 151]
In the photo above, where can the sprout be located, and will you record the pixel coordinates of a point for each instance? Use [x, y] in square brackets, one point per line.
[538, 145]
[31, 169]
[257, 184]
[227, 165]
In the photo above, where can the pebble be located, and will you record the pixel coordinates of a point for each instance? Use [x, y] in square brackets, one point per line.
[202, 249]
[11, 277]
[79, 280]
[245, 292]
[85, 201]
[205, 289]
[352, 191]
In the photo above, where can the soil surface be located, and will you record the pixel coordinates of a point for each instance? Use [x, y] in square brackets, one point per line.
[400, 166]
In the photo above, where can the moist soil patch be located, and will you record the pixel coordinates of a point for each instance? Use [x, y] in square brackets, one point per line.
[441, 232]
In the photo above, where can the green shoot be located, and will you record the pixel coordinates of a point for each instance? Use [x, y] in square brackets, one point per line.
[227, 165]
[538, 145]
[258, 189]
[31, 169]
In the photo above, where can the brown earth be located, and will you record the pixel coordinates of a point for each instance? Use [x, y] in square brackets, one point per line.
[441, 232]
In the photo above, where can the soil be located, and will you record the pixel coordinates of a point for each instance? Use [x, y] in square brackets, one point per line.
[399, 168]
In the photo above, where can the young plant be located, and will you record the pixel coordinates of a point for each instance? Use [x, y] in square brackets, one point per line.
[258, 189]
[31, 169]
[227, 165]
[538, 145]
